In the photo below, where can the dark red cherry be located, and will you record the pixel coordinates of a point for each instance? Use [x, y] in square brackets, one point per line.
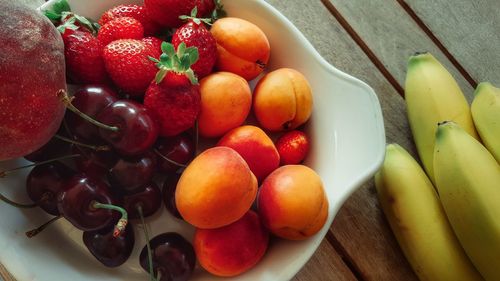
[178, 149]
[76, 202]
[130, 174]
[137, 129]
[149, 199]
[94, 163]
[89, 99]
[168, 193]
[173, 257]
[44, 182]
[109, 250]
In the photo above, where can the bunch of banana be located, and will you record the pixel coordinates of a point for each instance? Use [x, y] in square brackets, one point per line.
[433, 96]
[468, 181]
[485, 110]
[418, 221]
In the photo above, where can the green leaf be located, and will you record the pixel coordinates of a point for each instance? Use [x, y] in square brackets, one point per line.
[185, 62]
[168, 49]
[160, 75]
[153, 59]
[193, 55]
[197, 21]
[164, 58]
[85, 22]
[176, 61]
[61, 6]
[53, 16]
[181, 49]
[194, 11]
[192, 77]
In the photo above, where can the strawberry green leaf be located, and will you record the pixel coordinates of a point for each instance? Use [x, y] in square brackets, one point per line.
[153, 59]
[194, 11]
[168, 49]
[193, 55]
[54, 13]
[160, 75]
[181, 49]
[192, 77]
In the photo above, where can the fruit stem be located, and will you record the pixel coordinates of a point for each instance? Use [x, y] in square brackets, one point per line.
[121, 224]
[67, 101]
[3, 174]
[15, 204]
[148, 245]
[32, 233]
[93, 147]
[168, 159]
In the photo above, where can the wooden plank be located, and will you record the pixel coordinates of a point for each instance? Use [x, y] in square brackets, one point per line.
[372, 251]
[470, 30]
[325, 265]
[393, 36]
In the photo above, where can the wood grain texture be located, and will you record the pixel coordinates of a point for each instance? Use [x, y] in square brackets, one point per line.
[360, 230]
[470, 30]
[393, 36]
[325, 265]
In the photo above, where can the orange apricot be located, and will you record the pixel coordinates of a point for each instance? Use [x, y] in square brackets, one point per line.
[292, 202]
[242, 47]
[232, 249]
[283, 100]
[217, 188]
[255, 146]
[226, 100]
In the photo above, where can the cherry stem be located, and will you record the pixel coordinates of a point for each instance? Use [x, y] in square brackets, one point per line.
[168, 159]
[17, 205]
[93, 147]
[148, 246]
[32, 233]
[6, 172]
[121, 224]
[67, 101]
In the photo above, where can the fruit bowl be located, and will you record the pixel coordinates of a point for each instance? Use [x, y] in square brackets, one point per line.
[348, 142]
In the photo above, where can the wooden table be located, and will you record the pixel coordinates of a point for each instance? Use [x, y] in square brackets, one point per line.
[372, 40]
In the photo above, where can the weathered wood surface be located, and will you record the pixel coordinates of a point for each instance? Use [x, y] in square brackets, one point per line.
[470, 31]
[360, 245]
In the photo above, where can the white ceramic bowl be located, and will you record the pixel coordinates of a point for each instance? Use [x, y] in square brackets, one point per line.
[348, 145]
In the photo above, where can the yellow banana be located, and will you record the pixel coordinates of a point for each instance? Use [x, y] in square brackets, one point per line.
[468, 182]
[433, 96]
[485, 110]
[418, 221]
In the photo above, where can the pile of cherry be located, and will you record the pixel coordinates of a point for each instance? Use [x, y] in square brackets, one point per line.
[98, 171]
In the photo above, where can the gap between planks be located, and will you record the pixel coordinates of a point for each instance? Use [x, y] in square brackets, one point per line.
[376, 61]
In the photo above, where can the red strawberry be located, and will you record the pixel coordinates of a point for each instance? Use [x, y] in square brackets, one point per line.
[292, 147]
[174, 96]
[195, 34]
[84, 63]
[166, 13]
[120, 28]
[205, 7]
[134, 11]
[154, 42]
[127, 62]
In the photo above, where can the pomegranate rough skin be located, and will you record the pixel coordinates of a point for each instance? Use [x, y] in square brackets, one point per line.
[32, 71]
